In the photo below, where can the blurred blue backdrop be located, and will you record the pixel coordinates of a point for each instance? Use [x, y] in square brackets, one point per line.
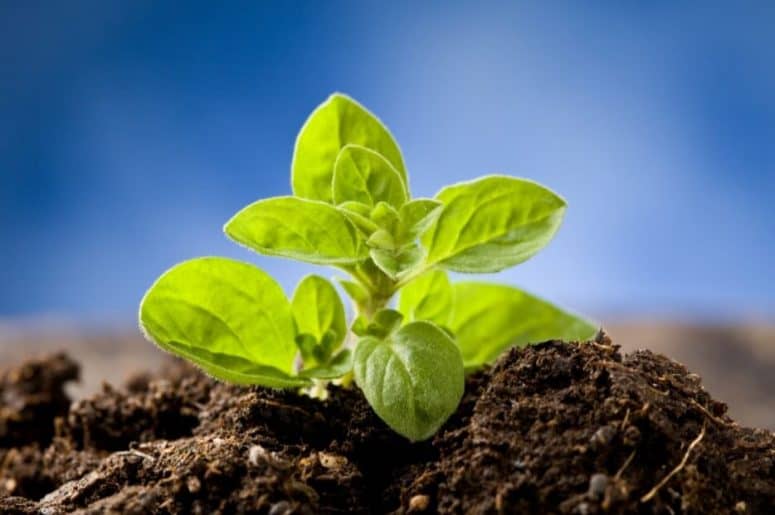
[131, 131]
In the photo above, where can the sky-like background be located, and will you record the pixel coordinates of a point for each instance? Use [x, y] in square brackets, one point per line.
[131, 131]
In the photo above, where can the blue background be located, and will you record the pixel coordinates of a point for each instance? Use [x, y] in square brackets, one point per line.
[131, 131]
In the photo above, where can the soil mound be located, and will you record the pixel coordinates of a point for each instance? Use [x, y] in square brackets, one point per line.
[554, 428]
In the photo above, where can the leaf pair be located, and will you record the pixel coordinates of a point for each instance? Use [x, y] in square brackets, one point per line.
[488, 318]
[338, 122]
[230, 318]
[235, 322]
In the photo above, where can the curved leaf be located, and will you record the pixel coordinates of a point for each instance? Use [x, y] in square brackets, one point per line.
[317, 308]
[338, 121]
[413, 379]
[429, 297]
[489, 318]
[229, 317]
[492, 223]
[339, 365]
[362, 175]
[299, 229]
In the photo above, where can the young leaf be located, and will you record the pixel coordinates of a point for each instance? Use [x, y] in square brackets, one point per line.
[339, 365]
[385, 216]
[362, 175]
[299, 229]
[228, 317]
[492, 223]
[359, 214]
[337, 122]
[413, 379]
[416, 216]
[396, 262]
[429, 297]
[357, 293]
[488, 318]
[317, 309]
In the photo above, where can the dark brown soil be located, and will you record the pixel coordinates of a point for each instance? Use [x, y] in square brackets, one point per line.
[555, 428]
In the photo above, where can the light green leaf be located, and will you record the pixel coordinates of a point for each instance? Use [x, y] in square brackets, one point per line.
[413, 379]
[359, 214]
[228, 317]
[489, 318]
[416, 216]
[317, 309]
[385, 216]
[492, 223]
[337, 122]
[397, 262]
[339, 365]
[362, 175]
[381, 239]
[357, 293]
[388, 320]
[304, 230]
[429, 297]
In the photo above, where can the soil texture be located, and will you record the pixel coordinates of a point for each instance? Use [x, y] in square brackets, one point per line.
[553, 428]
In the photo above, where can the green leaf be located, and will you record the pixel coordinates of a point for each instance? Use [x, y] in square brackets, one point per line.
[381, 239]
[489, 318]
[359, 214]
[492, 223]
[429, 297]
[416, 216]
[308, 346]
[299, 229]
[357, 293]
[396, 262]
[337, 122]
[385, 216]
[362, 175]
[317, 309]
[339, 365]
[389, 320]
[228, 317]
[413, 379]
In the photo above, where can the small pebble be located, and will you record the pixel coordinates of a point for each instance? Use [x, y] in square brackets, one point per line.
[419, 503]
[256, 453]
[280, 508]
[597, 485]
[332, 461]
[193, 484]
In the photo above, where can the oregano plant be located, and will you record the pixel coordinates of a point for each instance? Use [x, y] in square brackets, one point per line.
[352, 210]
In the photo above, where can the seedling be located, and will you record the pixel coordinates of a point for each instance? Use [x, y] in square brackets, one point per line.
[351, 209]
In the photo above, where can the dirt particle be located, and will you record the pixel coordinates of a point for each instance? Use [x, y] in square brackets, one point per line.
[419, 503]
[597, 486]
[193, 484]
[332, 461]
[281, 508]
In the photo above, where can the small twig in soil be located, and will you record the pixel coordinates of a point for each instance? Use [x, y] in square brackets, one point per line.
[713, 418]
[624, 466]
[625, 420]
[653, 491]
[134, 452]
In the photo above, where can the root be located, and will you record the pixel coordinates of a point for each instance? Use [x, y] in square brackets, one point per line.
[669, 476]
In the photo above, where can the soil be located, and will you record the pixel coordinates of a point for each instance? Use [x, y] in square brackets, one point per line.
[554, 428]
